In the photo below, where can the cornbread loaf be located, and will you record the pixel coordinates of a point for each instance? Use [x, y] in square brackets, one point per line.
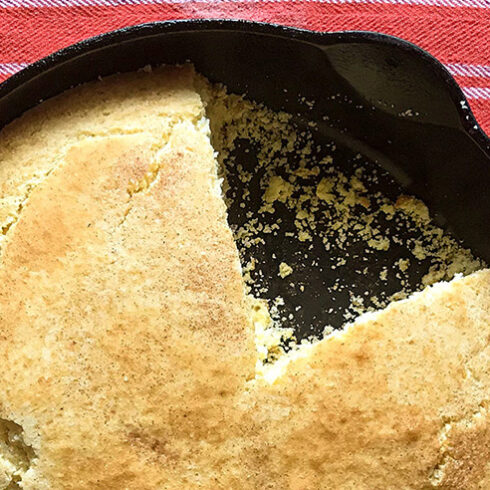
[127, 340]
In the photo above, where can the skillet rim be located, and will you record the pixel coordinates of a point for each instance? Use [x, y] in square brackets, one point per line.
[125, 34]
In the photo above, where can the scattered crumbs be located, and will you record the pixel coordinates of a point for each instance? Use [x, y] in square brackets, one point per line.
[331, 209]
[408, 113]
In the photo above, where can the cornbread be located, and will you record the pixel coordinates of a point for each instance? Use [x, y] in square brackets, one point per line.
[132, 357]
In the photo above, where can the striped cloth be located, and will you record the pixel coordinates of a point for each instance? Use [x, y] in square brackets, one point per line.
[457, 32]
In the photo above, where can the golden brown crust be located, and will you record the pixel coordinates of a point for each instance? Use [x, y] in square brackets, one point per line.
[128, 359]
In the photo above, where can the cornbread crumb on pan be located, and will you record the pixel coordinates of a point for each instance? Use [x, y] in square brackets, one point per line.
[132, 357]
[285, 269]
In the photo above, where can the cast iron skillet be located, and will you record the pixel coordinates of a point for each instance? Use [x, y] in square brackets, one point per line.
[365, 83]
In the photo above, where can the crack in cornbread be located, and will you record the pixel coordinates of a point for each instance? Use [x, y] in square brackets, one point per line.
[128, 355]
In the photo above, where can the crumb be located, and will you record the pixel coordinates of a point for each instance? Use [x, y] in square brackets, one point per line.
[403, 264]
[383, 275]
[382, 243]
[285, 270]
[413, 207]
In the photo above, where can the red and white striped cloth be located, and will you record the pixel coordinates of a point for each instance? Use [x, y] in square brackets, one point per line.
[457, 32]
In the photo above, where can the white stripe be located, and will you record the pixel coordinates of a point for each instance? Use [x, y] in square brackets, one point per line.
[469, 70]
[85, 3]
[477, 92]
[11, 68]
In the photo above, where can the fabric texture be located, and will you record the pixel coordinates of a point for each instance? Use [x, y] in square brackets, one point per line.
[457, 32]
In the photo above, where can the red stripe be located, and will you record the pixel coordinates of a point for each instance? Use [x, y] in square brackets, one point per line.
[451, 34]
